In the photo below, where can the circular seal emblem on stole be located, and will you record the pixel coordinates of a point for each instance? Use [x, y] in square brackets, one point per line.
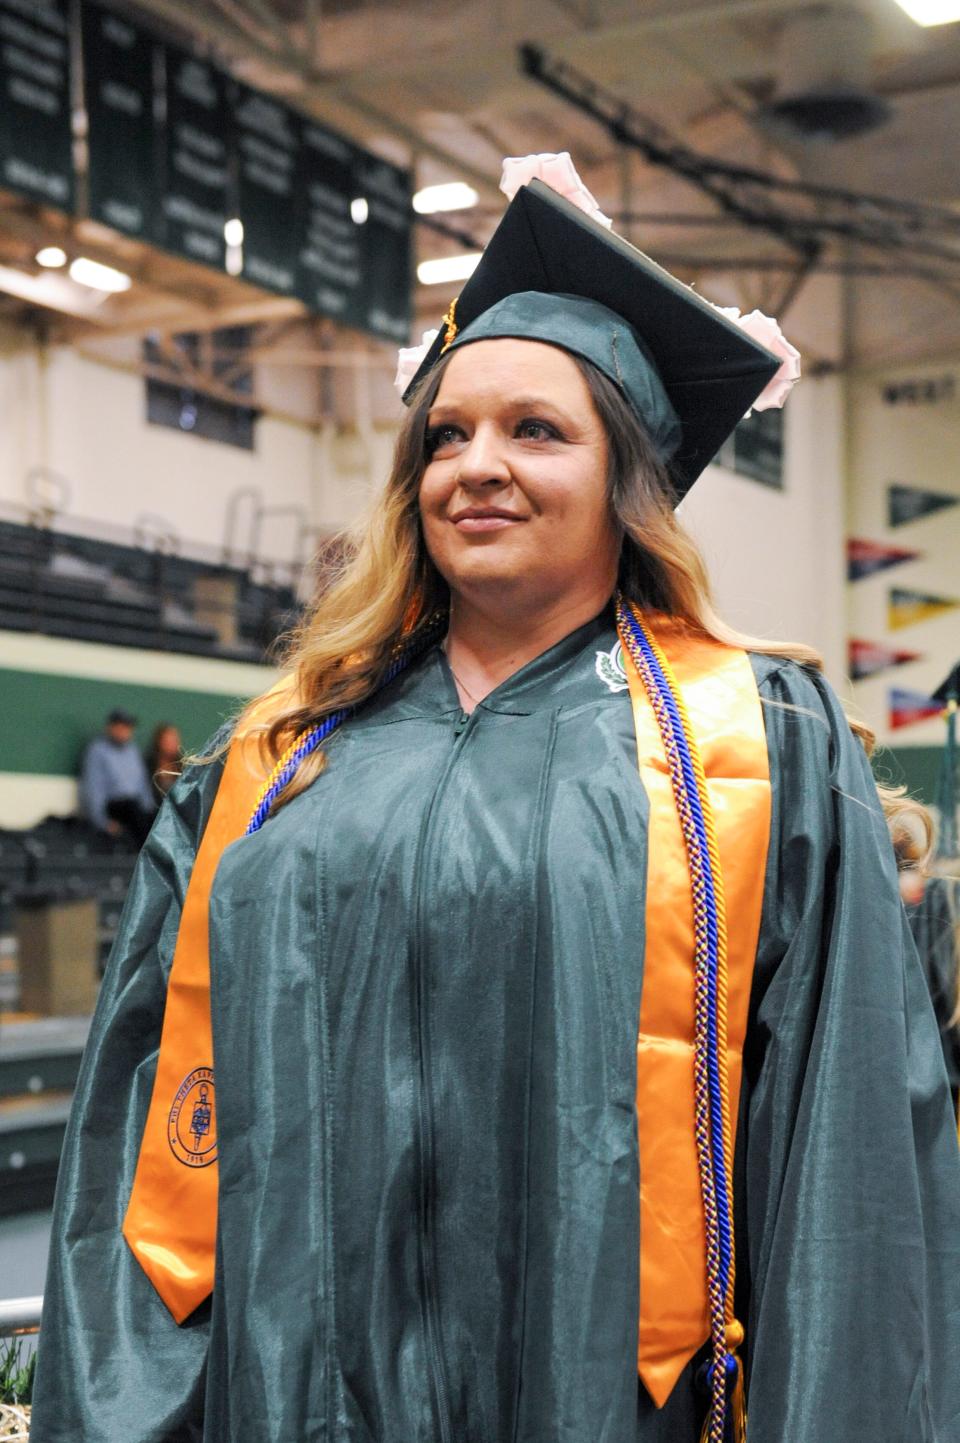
[192, 1124]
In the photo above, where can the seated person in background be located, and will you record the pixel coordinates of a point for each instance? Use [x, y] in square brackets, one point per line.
[164, 759]
[115, 791]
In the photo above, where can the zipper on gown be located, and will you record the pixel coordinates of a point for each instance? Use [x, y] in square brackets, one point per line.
[426, 1200]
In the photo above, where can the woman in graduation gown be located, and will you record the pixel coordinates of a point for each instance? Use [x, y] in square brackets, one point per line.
[544, 855]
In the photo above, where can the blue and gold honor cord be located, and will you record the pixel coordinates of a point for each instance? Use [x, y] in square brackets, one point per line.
[314, 736]
[712, 1126]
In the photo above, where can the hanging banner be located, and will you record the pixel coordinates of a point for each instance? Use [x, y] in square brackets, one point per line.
[329, 260]
[866, 658]
[909, 503]
[755, 449]
[196, 205]
[908, 707]
[352, 225]
[118, 80]
[383, 194]
[906, 608]
[35, 141]
[267, 141]
[866, 558]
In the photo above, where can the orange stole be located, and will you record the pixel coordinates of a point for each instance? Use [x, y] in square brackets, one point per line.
[720, 693]
[171, 1219]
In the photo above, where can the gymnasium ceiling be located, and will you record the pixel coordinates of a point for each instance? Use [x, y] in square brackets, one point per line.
[440, 85]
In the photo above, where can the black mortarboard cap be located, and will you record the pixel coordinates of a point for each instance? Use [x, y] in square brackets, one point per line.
[711, 371]
[950, 686]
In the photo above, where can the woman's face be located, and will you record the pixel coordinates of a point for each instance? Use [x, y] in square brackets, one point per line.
[514, 496]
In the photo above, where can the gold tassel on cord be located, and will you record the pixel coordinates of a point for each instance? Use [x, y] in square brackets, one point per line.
[450, 327]
[738, 1408]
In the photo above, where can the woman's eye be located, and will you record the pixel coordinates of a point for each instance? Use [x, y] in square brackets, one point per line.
[531, 430]
[438, 437]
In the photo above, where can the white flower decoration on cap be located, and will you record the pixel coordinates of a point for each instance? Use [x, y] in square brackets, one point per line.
[556, 171]
[409, 359]
[766, 331]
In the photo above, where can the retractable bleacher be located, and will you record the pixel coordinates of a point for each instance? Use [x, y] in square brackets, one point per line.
[88, 588]
[91, 588]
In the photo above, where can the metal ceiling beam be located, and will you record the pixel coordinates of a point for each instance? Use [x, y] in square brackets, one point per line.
[20, 225]
[453, 232]
[583, 12]
[144, 369]
[759, 199]
[675, 17]
[312, 19]
[237, 16]
[168, 321]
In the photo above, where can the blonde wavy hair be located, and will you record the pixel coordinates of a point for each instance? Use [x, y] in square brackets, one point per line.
[385, 586]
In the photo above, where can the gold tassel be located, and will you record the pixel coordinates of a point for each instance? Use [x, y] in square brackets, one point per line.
[738, 1408]
[450, 325]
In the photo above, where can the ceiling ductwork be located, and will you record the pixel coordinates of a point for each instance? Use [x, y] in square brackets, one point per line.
[823, 77]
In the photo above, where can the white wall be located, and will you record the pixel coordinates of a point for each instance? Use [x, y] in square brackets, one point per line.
[915, 445]
[776, 558]
[87, 421]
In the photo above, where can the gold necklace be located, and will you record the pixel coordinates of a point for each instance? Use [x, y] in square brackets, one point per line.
[460, 681]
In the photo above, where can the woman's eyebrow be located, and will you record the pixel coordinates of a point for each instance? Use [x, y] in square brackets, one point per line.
[536, 403]
[515, 405]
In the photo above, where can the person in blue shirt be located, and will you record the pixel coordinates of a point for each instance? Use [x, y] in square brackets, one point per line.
[115, 791]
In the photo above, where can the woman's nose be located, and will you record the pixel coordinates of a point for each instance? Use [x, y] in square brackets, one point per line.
[483, 460]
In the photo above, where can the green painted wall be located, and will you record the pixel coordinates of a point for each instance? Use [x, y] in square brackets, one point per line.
[45, 721]
[916, 767]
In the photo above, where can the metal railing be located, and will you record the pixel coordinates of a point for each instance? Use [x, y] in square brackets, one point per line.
[146, 588]
[19, 1315]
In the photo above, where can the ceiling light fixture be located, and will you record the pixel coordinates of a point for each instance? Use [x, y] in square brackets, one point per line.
[931, 12]
[447, 268]
[52, 257]
[453, 195]
[98, 277]
[359, 210]
[824, 91]
[233, 232]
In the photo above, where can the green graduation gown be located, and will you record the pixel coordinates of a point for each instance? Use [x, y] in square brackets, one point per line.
[426, 975]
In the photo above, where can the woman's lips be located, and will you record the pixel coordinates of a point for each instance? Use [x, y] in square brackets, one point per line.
[492, 521]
